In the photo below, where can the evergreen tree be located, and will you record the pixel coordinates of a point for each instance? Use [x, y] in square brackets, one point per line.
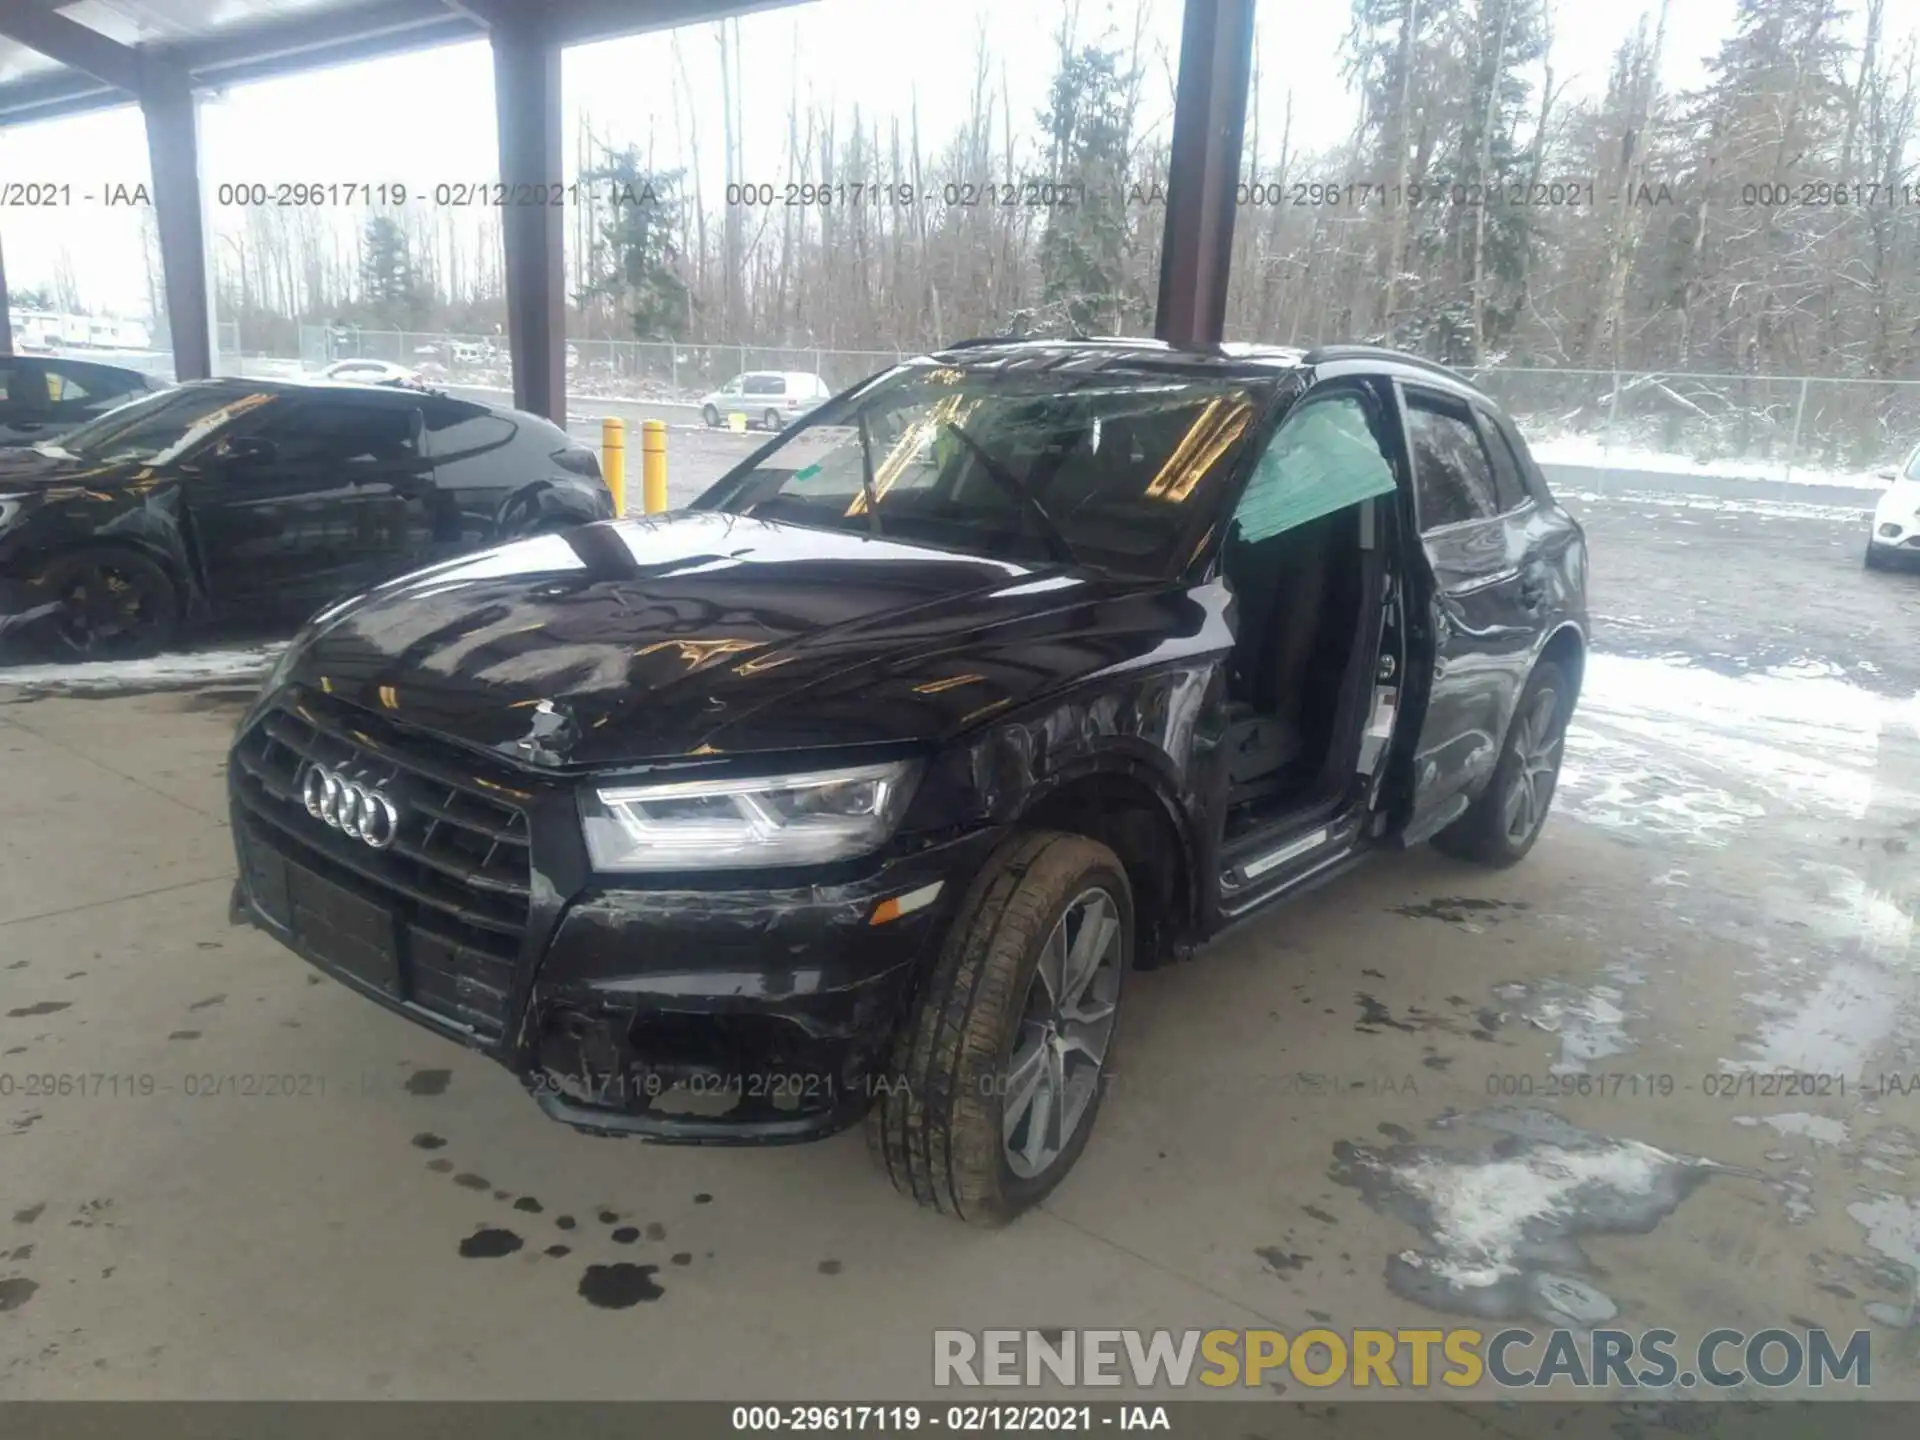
[638, 246]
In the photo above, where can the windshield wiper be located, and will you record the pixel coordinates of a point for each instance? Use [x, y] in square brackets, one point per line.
[866, 478]
[1057, 543]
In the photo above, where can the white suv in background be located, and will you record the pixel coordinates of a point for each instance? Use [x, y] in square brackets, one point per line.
[772, 399]
[1896, 519]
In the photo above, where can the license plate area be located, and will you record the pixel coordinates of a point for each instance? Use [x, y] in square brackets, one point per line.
[328, 922]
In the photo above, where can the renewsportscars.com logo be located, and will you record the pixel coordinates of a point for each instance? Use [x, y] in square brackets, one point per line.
[1393, 1359]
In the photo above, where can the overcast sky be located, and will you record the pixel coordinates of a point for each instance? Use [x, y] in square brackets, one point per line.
[428, 117]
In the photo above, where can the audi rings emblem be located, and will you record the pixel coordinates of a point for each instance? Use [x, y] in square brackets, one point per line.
[350, 804]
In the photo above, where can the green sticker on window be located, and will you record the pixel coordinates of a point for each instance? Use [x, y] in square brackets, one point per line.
[1324, 459]
[808, 473]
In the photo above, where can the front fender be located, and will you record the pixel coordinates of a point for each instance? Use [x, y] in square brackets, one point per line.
[152, 520]
[1155, 731]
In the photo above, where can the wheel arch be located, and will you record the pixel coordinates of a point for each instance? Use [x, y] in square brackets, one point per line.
[1126, 806]
[173, 561]
[1567, 648]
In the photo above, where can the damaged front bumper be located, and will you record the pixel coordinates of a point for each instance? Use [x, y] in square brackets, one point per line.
[732, 1017]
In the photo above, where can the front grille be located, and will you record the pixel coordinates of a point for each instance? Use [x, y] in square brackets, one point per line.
[457, 877]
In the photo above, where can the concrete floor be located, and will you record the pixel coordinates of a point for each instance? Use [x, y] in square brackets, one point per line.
[1728, 889]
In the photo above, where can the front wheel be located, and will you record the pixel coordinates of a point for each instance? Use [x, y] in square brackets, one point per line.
[998, 1073]
[1500, 827]
[115, 603]
[712, 417]
[1874, 560]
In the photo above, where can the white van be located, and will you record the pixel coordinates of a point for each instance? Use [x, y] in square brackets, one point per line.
[772, 399]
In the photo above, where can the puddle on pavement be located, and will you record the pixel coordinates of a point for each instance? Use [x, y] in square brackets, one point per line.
[1892, 1223]
[1820, 1129]
[1845, 994]
[1502, 1224]
[1662, 750]
[1590, 1021]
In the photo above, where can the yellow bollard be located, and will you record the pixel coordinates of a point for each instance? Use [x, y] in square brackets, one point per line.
[737, 423]
[613, 460]
[653, 465]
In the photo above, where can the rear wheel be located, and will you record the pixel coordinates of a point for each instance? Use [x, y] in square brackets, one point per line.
[114, 604]
[1501, 826]
[998, 1074]
[771, 420]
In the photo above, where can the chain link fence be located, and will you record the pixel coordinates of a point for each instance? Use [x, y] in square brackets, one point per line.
[613, 369]
[1794, 429]
[1841, 432]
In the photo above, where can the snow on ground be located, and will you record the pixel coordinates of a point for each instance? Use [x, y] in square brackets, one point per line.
[1765, 509]
[166, 672]
[1592, 452]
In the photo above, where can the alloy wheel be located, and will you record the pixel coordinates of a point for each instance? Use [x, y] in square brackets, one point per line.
[107, 612]
[1066, 1025]
[1537, 739]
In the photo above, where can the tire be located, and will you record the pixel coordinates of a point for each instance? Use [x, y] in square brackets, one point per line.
[1874, 560]
[712, 417]
[117, 604]
[1490, 833]
[771, 420]
[937, 1127]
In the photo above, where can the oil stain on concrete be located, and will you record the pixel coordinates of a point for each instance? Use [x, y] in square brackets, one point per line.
[15, 1293]
[490, 1243]
[619, 1286]
[1502, 1223]
[428, 1082]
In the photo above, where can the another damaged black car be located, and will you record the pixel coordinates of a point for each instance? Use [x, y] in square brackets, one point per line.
[257, 500]
[860, 786]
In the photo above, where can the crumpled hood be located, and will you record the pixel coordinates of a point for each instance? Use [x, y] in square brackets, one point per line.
[709, 634]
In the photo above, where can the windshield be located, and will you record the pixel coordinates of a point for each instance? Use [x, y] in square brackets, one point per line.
[156, 428]
[1114, 470]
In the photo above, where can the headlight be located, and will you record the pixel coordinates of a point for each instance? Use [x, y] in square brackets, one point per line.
[745, 824]
[281, 668]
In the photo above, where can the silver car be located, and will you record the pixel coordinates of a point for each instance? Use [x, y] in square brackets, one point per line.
[771, 399]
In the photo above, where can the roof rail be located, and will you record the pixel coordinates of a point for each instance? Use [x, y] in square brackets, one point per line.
[1323, 354]
[977, 340]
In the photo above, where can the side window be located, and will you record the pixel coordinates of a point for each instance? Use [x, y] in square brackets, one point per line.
[64, 388]
[329, 433]
[1510, 485]
[1453, 478]
[766, 385]
[455, 431]
[1323, 459]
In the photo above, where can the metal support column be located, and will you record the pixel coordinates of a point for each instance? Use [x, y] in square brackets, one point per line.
[526, 89]
[173, 153]
[6, 322]
[1209, 121]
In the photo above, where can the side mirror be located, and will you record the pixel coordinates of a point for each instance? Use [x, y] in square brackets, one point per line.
[248, 450]
[1888, 473]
